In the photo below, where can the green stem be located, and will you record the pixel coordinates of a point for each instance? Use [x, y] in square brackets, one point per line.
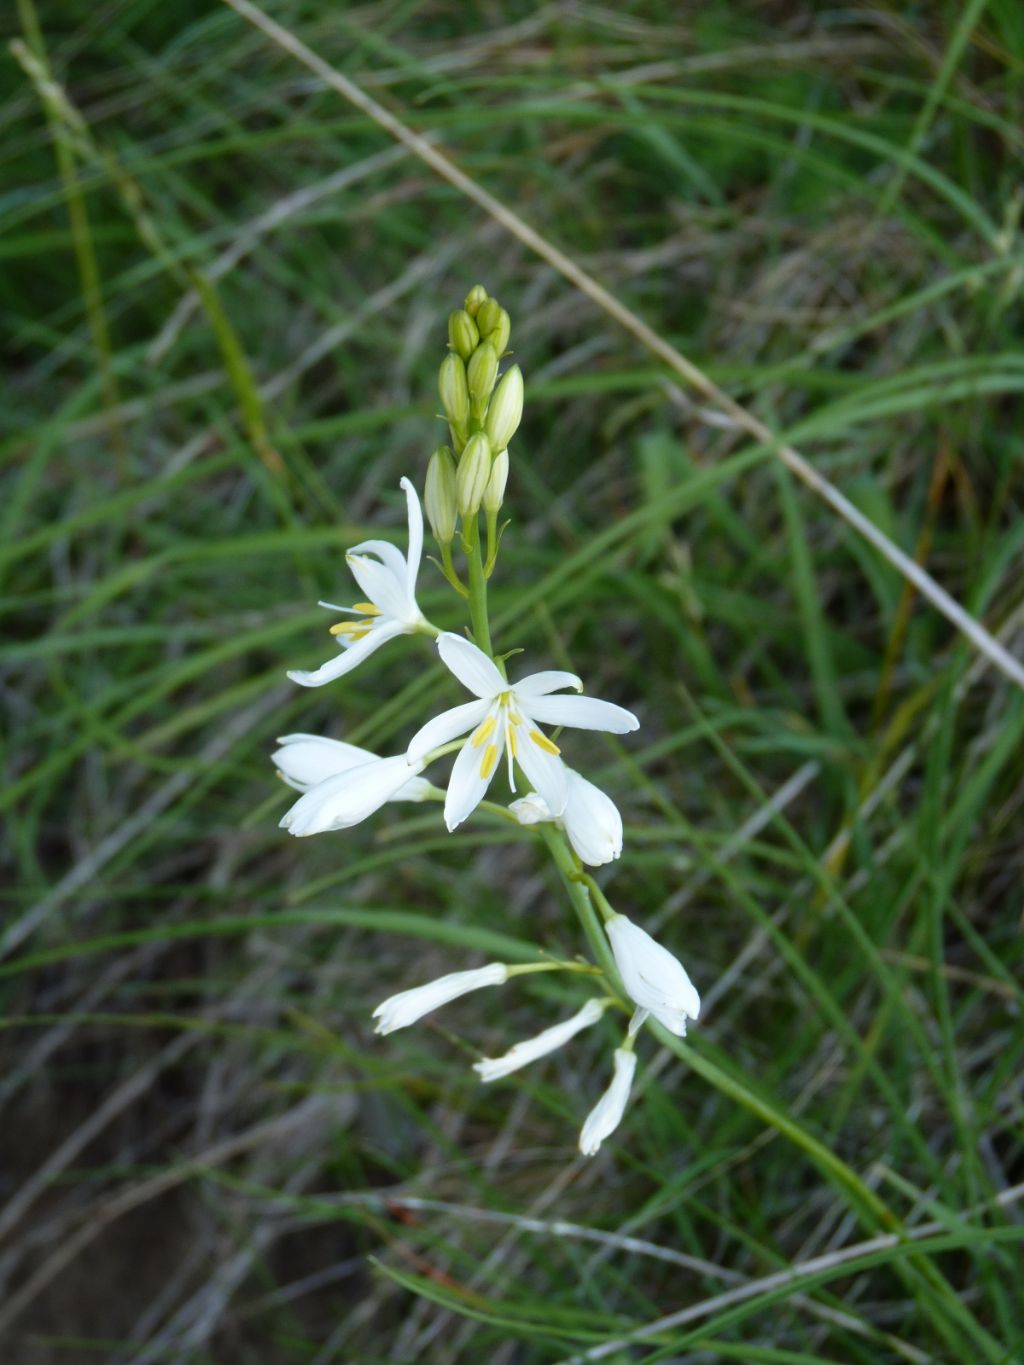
[477, 585]
[580, 897]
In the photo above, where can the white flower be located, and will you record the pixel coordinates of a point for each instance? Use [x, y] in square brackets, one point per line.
[606, 1114]
[491, 1068]
[654, 979]
[506, 716]
[351, 794]
[399, 1011]
[590, 819]
[306, 760]
[390, 609]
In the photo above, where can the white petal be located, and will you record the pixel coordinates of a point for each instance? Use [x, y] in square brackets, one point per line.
[415, 537]
[467, 784]
[389, 555]
[607, 1114]
[540, 684]
[305, 760]
[471, 666]
[349, 797]
[416, 789]
[592, 822]
[491, 1068]
[583, 713]
[652, 976]
[447, 726]
[379, 634]
[531, 809]
[399, 1011]
[380, 585]
[545, 770]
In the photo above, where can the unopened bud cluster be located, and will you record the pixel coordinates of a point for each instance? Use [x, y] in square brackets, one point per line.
[483, 414]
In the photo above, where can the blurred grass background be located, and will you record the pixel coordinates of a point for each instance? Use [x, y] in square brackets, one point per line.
[224, 295]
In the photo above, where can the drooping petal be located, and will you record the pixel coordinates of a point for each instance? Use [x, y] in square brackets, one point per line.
[416, 789]
[349, 797]
[592, 822]
[447, 726]
[583, 713]
[607, 1114]
[492, 1068]
[550, 680]
[471, 776]
[305, 760]
[412, 566]
[383, 588]
[399, 1011]
[542, 764]
[470, 665]
[378, 634]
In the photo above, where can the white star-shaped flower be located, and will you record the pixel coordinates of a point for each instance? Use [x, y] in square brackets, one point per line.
[655, 980]
[388, 578]
[506, 716]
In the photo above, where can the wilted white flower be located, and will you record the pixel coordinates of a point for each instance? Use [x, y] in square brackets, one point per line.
[607, 1113]
[389, 582]
[352, 793]
[655, 980]
[590, 819]
[492, 1068]
[399, 1011]
[506, 716]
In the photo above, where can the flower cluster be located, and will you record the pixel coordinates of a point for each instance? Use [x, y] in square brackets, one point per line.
[504, 726]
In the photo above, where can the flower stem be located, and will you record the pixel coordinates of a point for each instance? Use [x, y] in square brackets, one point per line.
[580, 896]
[477, 585]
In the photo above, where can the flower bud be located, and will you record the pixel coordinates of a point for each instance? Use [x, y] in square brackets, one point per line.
[462, 333]
[481, 372]
[487, 316]
[439, 495]
[472, 475]
[499, 335]
[476, 296]
[506, 410]
[451, 383]
[494, 493]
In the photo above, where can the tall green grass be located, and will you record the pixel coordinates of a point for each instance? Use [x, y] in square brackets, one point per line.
[225, 293]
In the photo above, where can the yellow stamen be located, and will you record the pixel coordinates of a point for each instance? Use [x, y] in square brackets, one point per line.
[367, 608]
[489, 760]
[356, 629]
[483, 733]
[542, 742]
[512, 741]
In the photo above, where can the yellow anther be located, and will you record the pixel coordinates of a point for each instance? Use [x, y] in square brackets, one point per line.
[512, 741]
[367, 608]
[489, 760]
[542, 742]
[346, 627]
[483, 734]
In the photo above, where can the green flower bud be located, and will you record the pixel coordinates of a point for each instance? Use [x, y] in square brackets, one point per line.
[487, 316]
[476, 296]
[481, 372]
[494, 493]
[472, 475]
[439, 495]
[462, 333]
[506, 409]
[451, 383]
[501, 333]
